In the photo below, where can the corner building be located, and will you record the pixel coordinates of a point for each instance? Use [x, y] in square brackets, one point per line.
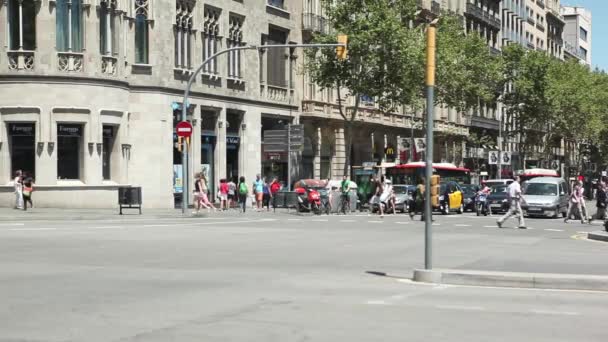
[91, 90]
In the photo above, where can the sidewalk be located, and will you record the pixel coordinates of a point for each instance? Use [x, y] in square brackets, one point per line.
[57, 214]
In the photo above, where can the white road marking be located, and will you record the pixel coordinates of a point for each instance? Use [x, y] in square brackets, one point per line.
[460, 307]
[34, 229]
[319, 220]
[347, 221]
[12, 224]
[462, 225]
[494, 226]
[294, 219]
[159, 225]
[556, 313]
[108, 227]
[552, 230]
[377, 302]
[436, 224]
[375, 221]
[402, 222]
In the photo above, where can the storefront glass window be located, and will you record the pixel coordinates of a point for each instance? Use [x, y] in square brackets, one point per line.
[22, 147]
[69, 147]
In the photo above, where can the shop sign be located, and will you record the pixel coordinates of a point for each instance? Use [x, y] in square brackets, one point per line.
[369, 165]
[275, 156]
[178, 184]
[389, 153]
[21, 129]
[69, 130]
[233, 140]
[208, 139]
[505, 158]
[108, 132]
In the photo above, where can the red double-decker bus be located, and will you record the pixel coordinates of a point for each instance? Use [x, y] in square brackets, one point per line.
[411, 173]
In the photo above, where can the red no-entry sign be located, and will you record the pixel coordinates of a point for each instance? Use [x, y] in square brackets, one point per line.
[183, 129]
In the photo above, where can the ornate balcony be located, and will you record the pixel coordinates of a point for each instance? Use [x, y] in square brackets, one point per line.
[20, 60]
[275, 93]
[476, 12]
[109, 65]
[70, 61]
[312, 22]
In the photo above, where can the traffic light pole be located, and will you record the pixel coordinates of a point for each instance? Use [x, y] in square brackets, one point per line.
[185, 180]
[430, 105]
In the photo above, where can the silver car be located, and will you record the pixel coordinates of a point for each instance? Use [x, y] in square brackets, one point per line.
[545, 196]
[402, 198]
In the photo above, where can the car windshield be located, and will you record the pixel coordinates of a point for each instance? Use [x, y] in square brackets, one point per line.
[469, 188]
[497, 189]
[541, 189]
[400, 189]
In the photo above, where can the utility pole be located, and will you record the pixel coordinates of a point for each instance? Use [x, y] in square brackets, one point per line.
[430, 105]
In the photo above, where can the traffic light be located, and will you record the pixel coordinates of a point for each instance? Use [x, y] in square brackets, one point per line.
[342, 51]
[435, 189]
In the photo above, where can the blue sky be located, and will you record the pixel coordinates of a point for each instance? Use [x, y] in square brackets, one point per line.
[599, 29]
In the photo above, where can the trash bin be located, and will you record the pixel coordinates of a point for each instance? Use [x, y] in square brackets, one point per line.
[129, 197]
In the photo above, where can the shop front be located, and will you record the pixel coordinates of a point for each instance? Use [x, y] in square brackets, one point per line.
[22, 146]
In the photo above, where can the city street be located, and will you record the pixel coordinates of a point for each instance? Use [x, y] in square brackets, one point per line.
[286, 277]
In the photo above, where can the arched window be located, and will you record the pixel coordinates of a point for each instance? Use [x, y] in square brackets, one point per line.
[22, 24]
[69, 25]
[183, 33]
[141, 31]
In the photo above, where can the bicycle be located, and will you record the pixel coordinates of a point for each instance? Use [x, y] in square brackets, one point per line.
[344, 203]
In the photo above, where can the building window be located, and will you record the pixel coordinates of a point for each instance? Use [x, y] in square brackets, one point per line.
[183, 33]
[22, 147]
[235, 39]
[583, 52]
[69, 25]
[22, 24]
[277, 73]
[211, 38]
[583, 34]
[69, 147]
[108, 27]
[277, 3]
[141, 31]
[109, 133]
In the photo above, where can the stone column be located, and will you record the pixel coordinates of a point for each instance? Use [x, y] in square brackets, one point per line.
[317, 158]
[340, 155]
[220, 147]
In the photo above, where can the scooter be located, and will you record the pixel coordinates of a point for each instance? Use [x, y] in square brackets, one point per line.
[481, 204]
[309, 200]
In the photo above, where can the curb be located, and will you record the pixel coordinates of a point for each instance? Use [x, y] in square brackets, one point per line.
[598, 235]
[513, 279]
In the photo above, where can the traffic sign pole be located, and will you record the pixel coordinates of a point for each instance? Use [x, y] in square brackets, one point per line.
[184, 130]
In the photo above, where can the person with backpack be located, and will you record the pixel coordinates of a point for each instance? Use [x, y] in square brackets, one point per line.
[243, 193]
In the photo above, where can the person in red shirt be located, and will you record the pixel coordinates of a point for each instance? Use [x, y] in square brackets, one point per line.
[275, 186]
[223, 194]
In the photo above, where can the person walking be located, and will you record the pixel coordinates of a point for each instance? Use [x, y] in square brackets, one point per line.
[418, 200]
[576, 199]
[266, 195]
[28, 189]
[202, 189]
[258, 192]
[243, 193]
[18, 184]
[515, 199]
[232, 197]
[345, 194]
[223, 194]
[600, 197]
[275, 187]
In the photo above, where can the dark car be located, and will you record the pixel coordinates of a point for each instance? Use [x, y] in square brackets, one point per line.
[469, 193]
[497, 200]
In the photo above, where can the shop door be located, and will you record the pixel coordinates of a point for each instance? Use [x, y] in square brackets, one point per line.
[208, 161]
[22, 148]
[232, 157]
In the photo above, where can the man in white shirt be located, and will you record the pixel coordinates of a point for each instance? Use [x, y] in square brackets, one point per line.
[18, 190]
[515, 199]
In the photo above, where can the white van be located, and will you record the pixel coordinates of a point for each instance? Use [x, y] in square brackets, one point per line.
[492, 182]
[545, 196]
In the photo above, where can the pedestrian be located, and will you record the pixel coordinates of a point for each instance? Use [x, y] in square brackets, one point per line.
[418, 200]
[514, 196]
[258, 191]
[345, 194]
[202, 189]
[266, 196]
[28, 189]
[18, 184]
[600, 196]
[329, 194]
[243, 192]
[577, 200]
[275, 187]
[223, 194]
[232, 197]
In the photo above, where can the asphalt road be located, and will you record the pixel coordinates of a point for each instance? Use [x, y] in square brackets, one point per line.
[285, 277]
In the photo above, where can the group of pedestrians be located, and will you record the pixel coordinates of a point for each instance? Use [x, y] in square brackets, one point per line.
[230, 193]
[24, 187]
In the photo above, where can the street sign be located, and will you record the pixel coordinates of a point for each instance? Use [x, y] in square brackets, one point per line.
[183, 129]
[493, 158]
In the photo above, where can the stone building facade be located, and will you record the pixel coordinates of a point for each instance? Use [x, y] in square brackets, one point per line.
[90, 92]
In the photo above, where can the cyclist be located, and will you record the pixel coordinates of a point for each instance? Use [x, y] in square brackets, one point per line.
[345, 194]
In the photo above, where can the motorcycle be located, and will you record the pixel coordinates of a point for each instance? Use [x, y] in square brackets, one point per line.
[481, 204]
[309, 200]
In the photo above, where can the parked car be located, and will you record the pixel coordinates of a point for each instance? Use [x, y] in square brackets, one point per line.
[493, 182]
[469, 194]
[450, 198]
[498, 201]
[545, 196]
